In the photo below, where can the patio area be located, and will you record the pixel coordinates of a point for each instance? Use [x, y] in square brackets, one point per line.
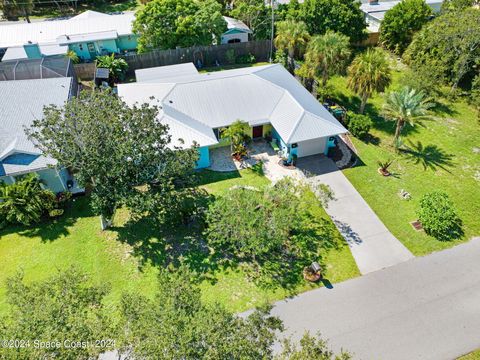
[258, 151]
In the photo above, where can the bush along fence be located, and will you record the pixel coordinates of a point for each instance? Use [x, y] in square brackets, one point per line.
[204, 56]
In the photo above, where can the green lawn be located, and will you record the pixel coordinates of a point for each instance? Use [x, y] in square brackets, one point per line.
[128, 255]
[472, 356]
[446, 158]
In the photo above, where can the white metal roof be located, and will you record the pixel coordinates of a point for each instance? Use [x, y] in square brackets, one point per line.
[21, 102]
[384, 6]
[18, 52]
[48, 31]
[163, 73]
[236, 24]
[258, 95]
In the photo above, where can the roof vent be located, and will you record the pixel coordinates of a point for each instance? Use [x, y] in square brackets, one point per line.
[170, 101]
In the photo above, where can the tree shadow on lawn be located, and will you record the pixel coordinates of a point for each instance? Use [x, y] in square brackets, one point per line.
[430, 156]
[352, 103]
[163, 246]
[52, 229]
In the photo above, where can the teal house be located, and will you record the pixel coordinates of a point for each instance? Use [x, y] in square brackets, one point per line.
[89, 35]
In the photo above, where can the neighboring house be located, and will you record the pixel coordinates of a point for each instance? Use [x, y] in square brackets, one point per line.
[375, 11]
[237, 31]
[21, 102]
[89, 34]
[196, 107]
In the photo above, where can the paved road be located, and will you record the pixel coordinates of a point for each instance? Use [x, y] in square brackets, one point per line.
[425, 308]
[371, 243]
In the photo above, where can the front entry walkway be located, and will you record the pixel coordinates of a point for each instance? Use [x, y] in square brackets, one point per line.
[371, 243]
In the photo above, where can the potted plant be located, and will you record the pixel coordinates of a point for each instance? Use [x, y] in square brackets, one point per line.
[383, 167]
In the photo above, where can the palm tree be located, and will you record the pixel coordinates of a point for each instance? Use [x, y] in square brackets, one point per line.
[369, 73]
[405, 106]
[292, 37]
[328, 54]
[238, 134]
[116, 66]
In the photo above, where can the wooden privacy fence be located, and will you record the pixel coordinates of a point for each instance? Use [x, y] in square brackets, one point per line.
[204, 55]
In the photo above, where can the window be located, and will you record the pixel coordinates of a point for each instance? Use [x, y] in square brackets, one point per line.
[232, 41]
[91, 47]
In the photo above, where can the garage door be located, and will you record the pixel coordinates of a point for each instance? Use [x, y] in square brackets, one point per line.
[311, 147]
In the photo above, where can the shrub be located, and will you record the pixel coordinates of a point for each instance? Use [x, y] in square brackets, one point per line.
[25, 202]
[439, 217]
[246, 59]
[401, 22]
[359, 125]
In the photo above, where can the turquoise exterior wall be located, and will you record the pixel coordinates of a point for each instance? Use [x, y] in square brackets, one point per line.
[204, 159]
[128, 42]
[281, 143]
[51, 180]
[330, 143]
[107, 46]
[81, 49]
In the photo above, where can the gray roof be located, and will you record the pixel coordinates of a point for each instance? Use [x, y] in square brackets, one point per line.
[236, 24]
[258, 95]
[21, 102]
[18, 52]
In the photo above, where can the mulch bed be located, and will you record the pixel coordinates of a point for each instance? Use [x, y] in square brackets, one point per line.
[289, 167]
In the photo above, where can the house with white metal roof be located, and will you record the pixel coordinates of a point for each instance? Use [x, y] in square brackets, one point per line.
[375, 11]
[21, 102]
[88, 34]
[198, 106]
[237, 31]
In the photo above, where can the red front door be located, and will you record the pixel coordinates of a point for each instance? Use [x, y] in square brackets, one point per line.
[257, 131]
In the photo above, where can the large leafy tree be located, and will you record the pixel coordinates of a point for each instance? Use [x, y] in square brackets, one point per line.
[405, 106]
[292, 37]
[369, 72]
[448, 48]
[256, 15]
[25, 202]
[61, 309]
[455, 5]
[401, 22]
[343, 16]
[113, 149]
[166, 24]
[266, 227]
[328, 54]
[177, 325]
[16, 8]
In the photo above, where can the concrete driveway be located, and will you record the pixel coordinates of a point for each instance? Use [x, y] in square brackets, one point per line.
[425, 308]
[371, 243]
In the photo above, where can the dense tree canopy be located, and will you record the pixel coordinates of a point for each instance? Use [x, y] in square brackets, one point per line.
[343, 16]
[269, 229]
[60, 310]
[69, 313]
[401, 22]
[166, 24]
[113, 149]
[177, 325]
[256, 15]
[454, 5]
[447, 48]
